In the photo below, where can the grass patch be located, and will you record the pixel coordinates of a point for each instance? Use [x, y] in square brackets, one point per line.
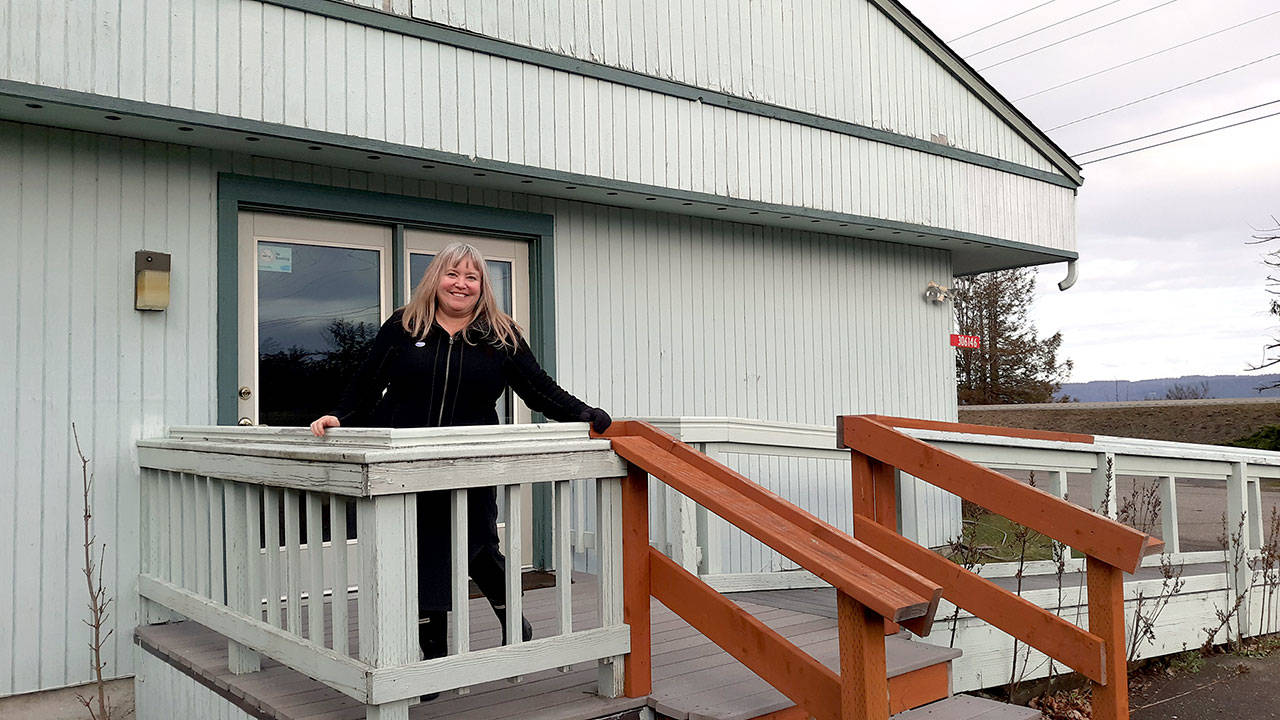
[996, 537]
[1187, 662]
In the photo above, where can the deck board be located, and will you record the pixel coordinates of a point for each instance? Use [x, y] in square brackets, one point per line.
[693, 679]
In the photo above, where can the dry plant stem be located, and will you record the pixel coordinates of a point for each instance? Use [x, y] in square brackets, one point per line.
[1021, 536]
[1234, 540]
[98, 600]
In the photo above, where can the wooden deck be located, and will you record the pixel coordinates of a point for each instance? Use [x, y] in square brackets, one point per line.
[693, 679]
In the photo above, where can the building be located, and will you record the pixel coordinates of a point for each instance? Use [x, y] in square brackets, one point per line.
[728, 210]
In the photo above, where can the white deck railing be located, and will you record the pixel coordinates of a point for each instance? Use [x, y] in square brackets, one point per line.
[699, 542]
[212, 503]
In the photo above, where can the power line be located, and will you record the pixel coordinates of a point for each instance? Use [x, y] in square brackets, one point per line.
[1180, 139]
[1078, 35]
[1179, 127]
[1164, 92]
[1041, 29]
[1145, 57]
[1000, 21]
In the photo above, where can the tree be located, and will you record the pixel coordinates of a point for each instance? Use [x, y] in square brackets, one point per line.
[1178, 391]
[1013, 364]
[1272, 260]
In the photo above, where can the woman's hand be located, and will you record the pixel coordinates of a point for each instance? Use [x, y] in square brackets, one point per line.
[328, 421]
[599, 419]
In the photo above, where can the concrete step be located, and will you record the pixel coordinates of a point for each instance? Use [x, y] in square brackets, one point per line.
[968, 707]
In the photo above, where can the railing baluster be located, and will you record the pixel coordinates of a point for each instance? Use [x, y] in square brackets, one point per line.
[460, 618]
[199, 550]
[338, 548]
[580, 515]
[514, 550]
[164, 526]
[271, 568]
[1104, 485]
[293, 564]
[609, 676]
[315, 574]
[563, 556]
[240, 553]
[1169, 514]
[180, 502]
[217, 535]
[253, 557]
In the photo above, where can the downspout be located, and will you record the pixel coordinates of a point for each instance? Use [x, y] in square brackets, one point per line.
[1070, 279]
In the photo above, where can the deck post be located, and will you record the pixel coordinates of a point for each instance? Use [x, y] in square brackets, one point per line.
[875, 496]
[388, 595]
[609, 682]
[864, 689]
[1106, 620]
[637, 681]
[1239, 542]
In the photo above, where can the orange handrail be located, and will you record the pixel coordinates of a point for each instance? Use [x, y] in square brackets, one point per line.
[871, 587]
[1098, 654]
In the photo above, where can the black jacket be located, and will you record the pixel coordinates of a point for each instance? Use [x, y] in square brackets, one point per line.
[446, 381]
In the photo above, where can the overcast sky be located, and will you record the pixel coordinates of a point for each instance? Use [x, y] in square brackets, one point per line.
[1168, 285]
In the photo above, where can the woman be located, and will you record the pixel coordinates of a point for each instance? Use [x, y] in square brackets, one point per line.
[444, 360]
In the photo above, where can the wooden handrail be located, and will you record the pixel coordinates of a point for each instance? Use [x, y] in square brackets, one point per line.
[867, 575]
[870, 587]
[1110, 547]
[972, 429]
[1092, 534]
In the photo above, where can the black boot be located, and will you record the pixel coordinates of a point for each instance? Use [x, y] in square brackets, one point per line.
[526, 629]
[433, 638]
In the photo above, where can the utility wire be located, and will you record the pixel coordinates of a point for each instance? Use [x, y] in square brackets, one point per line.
[1144, 57]
[1078, 35]
[1179, 127]
[1041, 29]
[1164, 92]
[1180, 139]
[1000, 21]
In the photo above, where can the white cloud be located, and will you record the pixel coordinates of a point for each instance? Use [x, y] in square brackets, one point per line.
[1168, 285]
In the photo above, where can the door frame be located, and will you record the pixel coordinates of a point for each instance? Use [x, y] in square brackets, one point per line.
[243, 192]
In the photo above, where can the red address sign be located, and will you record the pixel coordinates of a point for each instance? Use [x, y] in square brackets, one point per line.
[965, 341]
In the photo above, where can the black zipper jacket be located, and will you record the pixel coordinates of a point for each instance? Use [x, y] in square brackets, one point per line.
[442, 381]
[447, 380]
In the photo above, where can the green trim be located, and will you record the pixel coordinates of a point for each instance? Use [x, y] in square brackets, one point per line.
[423, 30]
[398, 296]
[237, 192]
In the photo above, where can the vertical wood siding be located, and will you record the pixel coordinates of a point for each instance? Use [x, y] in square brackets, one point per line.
[656, 314]
[836, 58]
[252, 60]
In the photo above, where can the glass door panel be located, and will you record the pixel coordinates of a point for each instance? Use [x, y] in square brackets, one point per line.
[319, 309]
[312, 296]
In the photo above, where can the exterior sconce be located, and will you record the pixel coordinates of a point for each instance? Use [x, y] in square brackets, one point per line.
[150, 280]
[935, 293]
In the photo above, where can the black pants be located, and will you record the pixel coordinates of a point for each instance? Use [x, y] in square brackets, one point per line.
[487, 566]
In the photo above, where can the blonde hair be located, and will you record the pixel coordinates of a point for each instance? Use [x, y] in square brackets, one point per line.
[420, 312]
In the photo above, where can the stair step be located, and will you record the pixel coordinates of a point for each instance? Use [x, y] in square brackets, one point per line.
[968, 707]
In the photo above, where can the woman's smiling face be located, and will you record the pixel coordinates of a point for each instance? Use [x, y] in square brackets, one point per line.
[459, 290]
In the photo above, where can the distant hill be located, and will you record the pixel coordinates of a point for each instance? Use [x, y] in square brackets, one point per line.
[1220, 386]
